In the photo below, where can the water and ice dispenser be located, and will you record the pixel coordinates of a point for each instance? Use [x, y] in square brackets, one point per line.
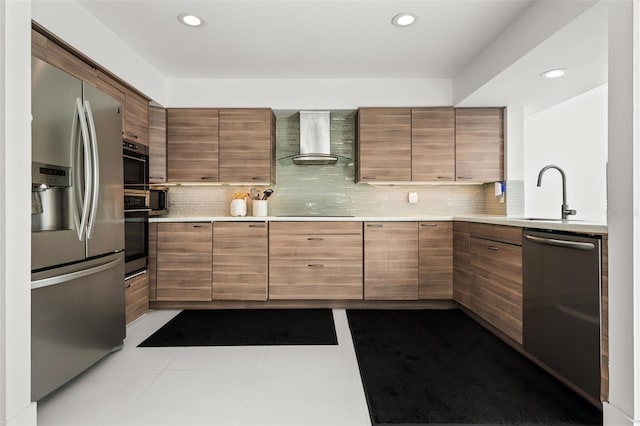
[51, 197]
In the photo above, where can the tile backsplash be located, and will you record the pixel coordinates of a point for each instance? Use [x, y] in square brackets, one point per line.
[329, 190]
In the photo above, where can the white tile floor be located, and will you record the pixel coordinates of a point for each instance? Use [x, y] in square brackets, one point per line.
[257, 385]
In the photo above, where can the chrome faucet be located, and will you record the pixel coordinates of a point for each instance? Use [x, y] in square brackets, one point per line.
[566, 211]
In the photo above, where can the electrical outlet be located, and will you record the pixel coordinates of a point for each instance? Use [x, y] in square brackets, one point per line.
[413, 197]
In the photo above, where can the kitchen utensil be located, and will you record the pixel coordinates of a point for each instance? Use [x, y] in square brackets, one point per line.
[255, 194]
[267, 193]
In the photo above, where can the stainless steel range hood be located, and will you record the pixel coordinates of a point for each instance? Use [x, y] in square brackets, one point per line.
[315, 139]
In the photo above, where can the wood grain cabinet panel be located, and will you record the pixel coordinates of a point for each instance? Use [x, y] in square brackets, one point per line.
[157, 145]
[391, 260]
[184, 262]
[462, 273]
[152, 260]
[504, 234]
[136, 296]
[384, 144]
[433, 144]
[240, 260]
[479, 144]
[39, 45]
[435, 279]
[246, 145]
[192, 145]
[315, 260]
[496, 290]
[61, 58]
[136, 118]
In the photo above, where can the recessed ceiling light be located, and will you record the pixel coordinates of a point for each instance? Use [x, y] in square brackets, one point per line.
[190, 20]
[404, 19]
[554, 73]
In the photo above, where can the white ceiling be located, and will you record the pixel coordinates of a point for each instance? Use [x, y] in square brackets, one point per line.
[307, 38]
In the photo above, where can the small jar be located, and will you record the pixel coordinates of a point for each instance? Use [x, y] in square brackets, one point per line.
[238, 208]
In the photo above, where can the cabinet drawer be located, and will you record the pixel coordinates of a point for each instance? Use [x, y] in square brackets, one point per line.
[136, 296]
[505, 234]
[316, 246]
[292, 228]
[308, 279]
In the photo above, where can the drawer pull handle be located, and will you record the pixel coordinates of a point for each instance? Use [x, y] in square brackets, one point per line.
[199, 226]
[445, 177]
[128, 286]
[368, 178]
[372, 225]
[207, 177]
[316, 265]
[156, 177]
[494, 248]
[256, 226]
[429, 225]
[258, 178]
[132, 135]
[315, 239]
[464, 177]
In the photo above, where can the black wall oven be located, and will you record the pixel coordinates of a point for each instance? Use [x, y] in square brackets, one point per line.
[136, 231]
[135, 165]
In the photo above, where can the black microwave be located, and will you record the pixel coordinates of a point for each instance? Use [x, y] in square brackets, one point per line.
[159, 200]
[135, 166]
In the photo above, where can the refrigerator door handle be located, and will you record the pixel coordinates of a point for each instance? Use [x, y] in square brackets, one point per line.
[59, 279]
[95, 167]
[76, 160]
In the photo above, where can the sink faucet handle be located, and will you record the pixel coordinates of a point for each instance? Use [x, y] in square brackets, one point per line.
[566, 211]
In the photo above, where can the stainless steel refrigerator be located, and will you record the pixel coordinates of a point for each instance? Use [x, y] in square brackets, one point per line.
[77, 228]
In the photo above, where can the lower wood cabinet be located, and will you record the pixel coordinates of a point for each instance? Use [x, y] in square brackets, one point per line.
[391, 261]
[462, 273]
[184, 262]
[315, 260]
[136, 296]
[435, 278]
[496, 289]
[240, 261]
[152, 260]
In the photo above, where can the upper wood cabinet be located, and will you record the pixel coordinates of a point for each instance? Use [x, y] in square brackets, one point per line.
[192, 145]
[247, 143]
[479, 144]
[433, 144]
[61, 58]
[315, 260]
[184, 259]
[384, 144]
[436, 260]
[240, 260]
[157, 145]
[39, 45]
[391, 261]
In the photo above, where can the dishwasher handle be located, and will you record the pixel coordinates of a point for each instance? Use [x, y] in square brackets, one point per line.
[577, 245]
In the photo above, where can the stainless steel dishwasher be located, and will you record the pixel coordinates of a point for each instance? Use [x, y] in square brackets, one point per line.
[561, 305]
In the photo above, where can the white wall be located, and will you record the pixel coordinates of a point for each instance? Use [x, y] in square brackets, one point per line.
[15, 181]
[308, 93]
[573, 136]
[71, 22]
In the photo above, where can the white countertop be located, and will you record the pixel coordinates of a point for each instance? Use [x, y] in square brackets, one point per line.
[556, 225]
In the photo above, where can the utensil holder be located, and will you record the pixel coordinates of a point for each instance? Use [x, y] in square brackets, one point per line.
[260, 207]
[238, 208]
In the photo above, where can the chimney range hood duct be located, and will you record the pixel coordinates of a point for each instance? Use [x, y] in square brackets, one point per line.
[315, 139]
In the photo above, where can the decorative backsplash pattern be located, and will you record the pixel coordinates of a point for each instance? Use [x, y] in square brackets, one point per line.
[329, 190]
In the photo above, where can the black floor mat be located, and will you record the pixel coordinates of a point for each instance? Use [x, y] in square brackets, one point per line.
[246, 327]
[441, 367]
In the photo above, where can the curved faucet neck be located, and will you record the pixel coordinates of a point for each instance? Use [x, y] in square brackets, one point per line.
[564, 180]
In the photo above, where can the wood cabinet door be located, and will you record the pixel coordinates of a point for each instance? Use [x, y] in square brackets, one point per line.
[496, 289]
[184, 262]
[315, 260]
[136, 118]
[391, 260]
[136, 295]
[479, 144]
[433, 144]
[240, 260]
[246, 145]
[192, 145]
[157, 145]
[462, 264]
[436, 260]
[152, 260]
[39, 45]
[384, 144]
